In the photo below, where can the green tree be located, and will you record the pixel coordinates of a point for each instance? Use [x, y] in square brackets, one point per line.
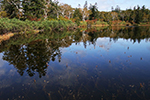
[94, 12]
[143, 9]
[33, 8]
[77, 14]
[122, 15]
[54, 9]
[149, 18]
[108, 17]
[144, 14]
[133, 15]
[138, 17]
[102, 16]
[128, 14]
[117, 9]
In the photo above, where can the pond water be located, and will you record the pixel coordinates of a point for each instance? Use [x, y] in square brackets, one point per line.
[96, 64]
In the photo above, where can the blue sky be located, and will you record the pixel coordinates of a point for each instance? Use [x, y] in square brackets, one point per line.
[105, 5]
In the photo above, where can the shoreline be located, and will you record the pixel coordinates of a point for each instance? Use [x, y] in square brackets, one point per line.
[8, 35]
[122, 25]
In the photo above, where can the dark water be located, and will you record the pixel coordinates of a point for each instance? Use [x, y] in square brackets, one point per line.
[97, 64]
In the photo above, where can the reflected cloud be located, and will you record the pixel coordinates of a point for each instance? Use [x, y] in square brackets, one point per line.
[63, 50]
[148, 48]
[68, 75]
[64, 62]
[1, 60]
[2, 72]
[81, 53]
[104, 43]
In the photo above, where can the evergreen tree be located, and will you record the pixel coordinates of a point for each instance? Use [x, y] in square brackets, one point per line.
[149, 18]
[53, 9]
[132, 16]
[94, 12]
[112, 8]
[77, 14]
[33, 8]
[117, 9]
[138, 17]
[127, 14]
[143, 9]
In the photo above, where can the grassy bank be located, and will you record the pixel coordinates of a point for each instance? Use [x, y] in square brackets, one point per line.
[18, 26]
[111, 23]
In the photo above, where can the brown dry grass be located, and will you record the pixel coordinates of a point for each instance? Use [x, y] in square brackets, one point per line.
[6, 36]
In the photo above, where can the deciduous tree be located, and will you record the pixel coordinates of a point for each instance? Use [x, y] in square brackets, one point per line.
[85, 12]
[66, 10]
[11, 7]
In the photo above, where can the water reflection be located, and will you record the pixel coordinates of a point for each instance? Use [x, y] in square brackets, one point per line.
[33, 55]
[101, 63]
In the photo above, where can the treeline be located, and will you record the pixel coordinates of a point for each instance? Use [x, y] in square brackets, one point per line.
[137, 15]
[36, 10]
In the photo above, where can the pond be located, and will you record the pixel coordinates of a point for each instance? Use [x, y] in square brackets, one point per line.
[97, 64]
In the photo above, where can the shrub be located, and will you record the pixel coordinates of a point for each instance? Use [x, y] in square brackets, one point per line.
[101, 23]
[3, 14]
[83, 23]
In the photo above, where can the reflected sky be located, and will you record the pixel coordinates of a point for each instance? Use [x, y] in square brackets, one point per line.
[103, 68]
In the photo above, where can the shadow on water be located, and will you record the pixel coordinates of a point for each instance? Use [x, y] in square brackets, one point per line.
[59, 68]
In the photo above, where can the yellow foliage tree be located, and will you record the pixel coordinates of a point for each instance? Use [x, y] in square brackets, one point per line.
[3, 14]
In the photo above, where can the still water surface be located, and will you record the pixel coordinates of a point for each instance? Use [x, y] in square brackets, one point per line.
[97, 64]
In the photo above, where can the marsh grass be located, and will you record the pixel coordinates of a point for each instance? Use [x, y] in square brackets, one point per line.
[16, 25]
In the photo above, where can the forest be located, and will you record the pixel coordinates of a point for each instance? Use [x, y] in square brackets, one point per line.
[49, 15]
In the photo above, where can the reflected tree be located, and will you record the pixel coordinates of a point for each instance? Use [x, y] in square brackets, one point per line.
[32, 57]
[16, 56]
